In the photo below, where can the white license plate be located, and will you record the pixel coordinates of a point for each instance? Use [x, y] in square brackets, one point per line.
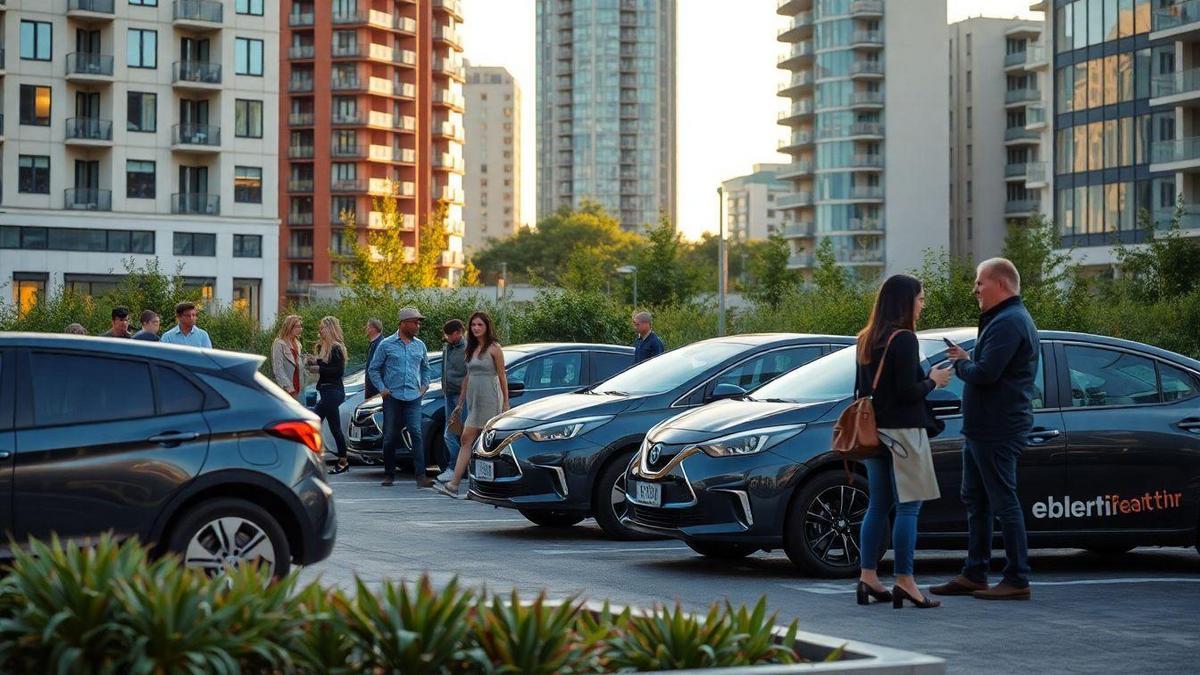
[485, 470]
[355, 433]
[647, 494]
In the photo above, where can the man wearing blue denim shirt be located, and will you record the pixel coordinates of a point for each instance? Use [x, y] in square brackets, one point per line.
[400, 371]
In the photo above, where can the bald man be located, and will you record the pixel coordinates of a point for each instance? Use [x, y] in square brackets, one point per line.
[997, 415]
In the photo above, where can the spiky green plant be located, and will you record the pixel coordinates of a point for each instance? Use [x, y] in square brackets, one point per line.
[757, 643]
[320, 642]
[667, 639]
[537, 637]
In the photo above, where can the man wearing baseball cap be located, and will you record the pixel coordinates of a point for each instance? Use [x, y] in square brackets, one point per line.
[400, 371]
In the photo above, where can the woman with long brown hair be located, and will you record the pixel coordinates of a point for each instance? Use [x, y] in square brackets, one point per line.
[484, 390]
[902, 475]
[285, 356]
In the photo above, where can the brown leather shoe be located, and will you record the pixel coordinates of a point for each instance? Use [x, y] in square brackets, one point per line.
[1004, 591]
[959, 585]
[424, 482]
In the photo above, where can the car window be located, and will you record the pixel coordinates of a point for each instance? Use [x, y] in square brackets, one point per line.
[666, 372]
[607, 364]
[75, 388]
[1177, 384]
[552, 372]
[177, 394]
[1039, 381]
[762, 369]
[1103, 377]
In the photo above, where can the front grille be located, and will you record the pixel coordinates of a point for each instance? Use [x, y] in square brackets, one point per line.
[497, 490]
[666, 518]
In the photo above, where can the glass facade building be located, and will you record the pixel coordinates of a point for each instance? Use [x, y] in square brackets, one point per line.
[606, 107]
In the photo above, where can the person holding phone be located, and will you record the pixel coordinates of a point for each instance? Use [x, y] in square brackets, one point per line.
[902, 476]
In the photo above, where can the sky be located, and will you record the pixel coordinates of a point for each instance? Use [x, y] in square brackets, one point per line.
[727, 103]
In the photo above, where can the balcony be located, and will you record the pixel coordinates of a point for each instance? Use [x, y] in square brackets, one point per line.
[406, 57]
[351, 50]
[451, 67]
[867, 39]
[382, 153]
[449, 99]
[300, 152]
[298, 286]
[343, 151]
[354, 119]
[1035, 117]
[1015, 171]
[195, 204]
[299, 84]
[341, 83]
[1022, 96]
[866, 99]
[90, 11]
[797, 141]
[1182, 87]
[1175, 20]
[800, 53]
[380, 86]
[797, 83]
[1035, 175]
[367, 17]
[795, 200]
[450, 194]
[866, 68]
[196, 138]
[198, 14]
[1020, 208]
[300, 185]
[1188, 220]
[87, 199]
[406, 25]
[89, 131]
[196, 75]
[88, 67]
[1014, 59]
[800, 261]
[447, 35]
[865, 162]
[867, 193]
[302, 52]
[349, 185]
[301, 119]
[300, 218]
[797, 169]
[866, 9]
[799, 229]
[1181, 154]
[1021, 136]
[797, 113]
[451, 259]
[302, 20]
[404, 90]
[452, 7]
[447, 162]
[300, 252]
[799, 27]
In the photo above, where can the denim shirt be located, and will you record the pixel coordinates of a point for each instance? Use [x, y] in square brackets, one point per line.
[400, 367]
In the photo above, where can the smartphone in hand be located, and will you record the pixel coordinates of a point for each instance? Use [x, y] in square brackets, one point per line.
[949, 344]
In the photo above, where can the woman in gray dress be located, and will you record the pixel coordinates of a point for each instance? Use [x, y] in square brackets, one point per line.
[484, 389]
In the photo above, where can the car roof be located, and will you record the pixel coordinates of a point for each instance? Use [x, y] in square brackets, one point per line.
[763, 339]
[188, 357]
[966, 334]
[537, 347]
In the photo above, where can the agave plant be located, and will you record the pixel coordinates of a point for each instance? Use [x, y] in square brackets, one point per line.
[537, 637]
[757, 642]
[667, 639]
[320, 642]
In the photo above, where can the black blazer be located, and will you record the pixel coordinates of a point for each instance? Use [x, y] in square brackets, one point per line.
[900, 399]
[370, 390]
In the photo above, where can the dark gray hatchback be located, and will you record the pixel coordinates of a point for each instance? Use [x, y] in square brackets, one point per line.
[191, 451]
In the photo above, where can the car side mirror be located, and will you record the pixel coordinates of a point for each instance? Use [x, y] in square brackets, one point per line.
[944, 403]
[725, 390]
[516, 389]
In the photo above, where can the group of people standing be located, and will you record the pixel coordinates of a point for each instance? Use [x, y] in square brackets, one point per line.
[184, 332]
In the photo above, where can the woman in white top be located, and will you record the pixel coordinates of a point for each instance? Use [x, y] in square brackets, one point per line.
[286, 362]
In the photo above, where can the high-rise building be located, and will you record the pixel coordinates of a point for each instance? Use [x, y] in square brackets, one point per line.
[186, 173]
[868, 131]
[997, 162]
[606, 107]
[752, 210]
[493, 154]
[374, 97]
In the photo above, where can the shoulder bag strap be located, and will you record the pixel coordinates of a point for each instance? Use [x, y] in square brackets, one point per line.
[882, 360]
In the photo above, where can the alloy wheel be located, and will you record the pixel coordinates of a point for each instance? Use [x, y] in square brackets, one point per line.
[617, 498]
[228, 543]
[832, 523]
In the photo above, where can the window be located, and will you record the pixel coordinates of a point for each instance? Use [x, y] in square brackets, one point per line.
[247, 184]
[247, 246]
[36, 40]
[1177, 384]
[1106, 377]
[607, 364]
[141, 48]
[248, 57]
[195, 243]
[766, 367]
[254, 7]
[248, 118]
[177, 395]
[57, 398]
[139, 179]
[76, 239]
[969, 117]
[246, 296]
[144, 3]
[28, 288]
[551, 372]
[33, 174]
[142, 111]
[35, 105]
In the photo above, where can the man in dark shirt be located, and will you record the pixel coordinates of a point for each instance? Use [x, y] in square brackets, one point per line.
[150, 322]
[647, 345]
[374, 334]
[997, 415]
[454, 369]
[120, 324]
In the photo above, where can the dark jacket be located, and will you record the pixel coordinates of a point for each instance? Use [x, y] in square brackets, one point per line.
[647, 347]
[998, 391]
[370, 391]
[900, 398]
[146, 335]
[454, 366]
[110, 334]
[333, 371]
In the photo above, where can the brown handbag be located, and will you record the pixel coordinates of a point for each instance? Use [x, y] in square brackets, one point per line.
[855, 435]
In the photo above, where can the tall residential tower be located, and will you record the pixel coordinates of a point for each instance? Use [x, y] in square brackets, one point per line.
[493, 153]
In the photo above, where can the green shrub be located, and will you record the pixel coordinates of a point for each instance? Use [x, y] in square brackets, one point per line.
[535, 637]
[571, 316]
[667, 639]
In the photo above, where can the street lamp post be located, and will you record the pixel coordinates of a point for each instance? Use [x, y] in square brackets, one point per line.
[631, 269]
[722, 267]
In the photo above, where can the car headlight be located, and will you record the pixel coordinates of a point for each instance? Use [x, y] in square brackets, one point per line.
[566, 429]
[749, 442]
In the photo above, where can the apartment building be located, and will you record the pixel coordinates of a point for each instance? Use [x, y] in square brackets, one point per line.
[140, 131]
[493, 154]
[752, 210]
[606, 107]
[998, 75]
[868, 170]
[374, 98]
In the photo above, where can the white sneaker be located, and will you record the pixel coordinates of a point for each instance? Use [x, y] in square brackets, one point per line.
[445, 476]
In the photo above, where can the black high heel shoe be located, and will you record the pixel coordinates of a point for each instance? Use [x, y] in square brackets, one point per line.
[899, 595]
[864, 594]
[340, 468]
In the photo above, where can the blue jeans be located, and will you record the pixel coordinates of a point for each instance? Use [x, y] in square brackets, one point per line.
[989, 489]
[402, 424]
[453, 442]
[881, 479]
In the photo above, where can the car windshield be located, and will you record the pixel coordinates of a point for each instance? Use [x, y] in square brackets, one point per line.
[664, 373]
[831, 377]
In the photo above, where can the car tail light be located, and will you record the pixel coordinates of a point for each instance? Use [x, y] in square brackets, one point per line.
[301, 431]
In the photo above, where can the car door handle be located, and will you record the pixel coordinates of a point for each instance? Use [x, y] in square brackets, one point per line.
[1038, 436]
[173, 437]
[1191, 424]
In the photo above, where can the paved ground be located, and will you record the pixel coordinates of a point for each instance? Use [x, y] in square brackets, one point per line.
[1134, 613]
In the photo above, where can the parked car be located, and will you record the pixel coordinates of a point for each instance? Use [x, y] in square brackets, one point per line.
[192, 451]
[562, 459]
[535, 370]
[1113, 460]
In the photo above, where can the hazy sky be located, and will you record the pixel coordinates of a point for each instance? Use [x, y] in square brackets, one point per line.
[727, 101]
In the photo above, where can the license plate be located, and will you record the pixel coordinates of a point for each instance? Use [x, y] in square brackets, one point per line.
[355, 433]
[485, 470]
[647, 494]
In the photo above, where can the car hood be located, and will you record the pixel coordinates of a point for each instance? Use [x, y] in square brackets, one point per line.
[563, 406]
[724, 417]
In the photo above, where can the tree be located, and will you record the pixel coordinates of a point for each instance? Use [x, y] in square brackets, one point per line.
[470, 275]
[1166, 266]
[771, 280]
[386, 260]
[588, 268]
[828, 275]
[663, 276]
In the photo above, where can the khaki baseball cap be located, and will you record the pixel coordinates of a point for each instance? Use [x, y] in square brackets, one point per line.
[408, 313]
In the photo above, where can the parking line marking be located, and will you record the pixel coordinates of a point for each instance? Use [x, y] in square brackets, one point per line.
[582, 551]
[467, 521]
[830, 588]
[355, 500]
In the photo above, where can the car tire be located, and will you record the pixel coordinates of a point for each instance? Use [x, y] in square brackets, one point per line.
[206, 527]
[721, 550]
[823, 525]
[608, 500]
[553, 518]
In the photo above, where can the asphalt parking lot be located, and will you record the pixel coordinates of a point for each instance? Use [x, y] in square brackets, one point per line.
[1138, 612]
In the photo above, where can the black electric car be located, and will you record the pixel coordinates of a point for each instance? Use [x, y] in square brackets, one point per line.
[191, 451]
[534, 370]
[562, 459]
[1113, 460]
